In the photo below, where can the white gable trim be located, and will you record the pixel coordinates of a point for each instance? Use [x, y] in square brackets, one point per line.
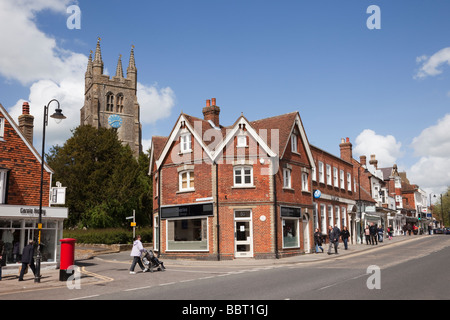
[232, 133]
[174, 136]
[298, 123]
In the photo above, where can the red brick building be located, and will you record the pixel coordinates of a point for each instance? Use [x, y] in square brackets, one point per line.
[334, 189]
[229, 192]
[20, 170]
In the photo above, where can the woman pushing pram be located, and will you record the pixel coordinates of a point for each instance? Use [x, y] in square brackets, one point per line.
[148, 262]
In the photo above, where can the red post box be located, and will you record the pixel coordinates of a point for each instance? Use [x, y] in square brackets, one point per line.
[67, 259]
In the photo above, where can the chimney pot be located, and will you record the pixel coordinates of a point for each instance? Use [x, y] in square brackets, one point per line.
[347, 139]
[25, 108]
[213, 101]
[208, 103]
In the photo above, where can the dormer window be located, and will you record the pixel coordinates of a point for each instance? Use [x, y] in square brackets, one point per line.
[185, 142]
[294, 143]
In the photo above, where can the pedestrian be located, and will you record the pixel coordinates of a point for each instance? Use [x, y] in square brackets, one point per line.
[373, 233]
[345, 234]
[333, 235]
[380, 233]
[318, 240]
[1, 258]
[409, 228]
[389, 231]
[367, 234]
[27, 260]
[136, 252]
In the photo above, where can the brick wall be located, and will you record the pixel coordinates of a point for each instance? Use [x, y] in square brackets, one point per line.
[24, 175]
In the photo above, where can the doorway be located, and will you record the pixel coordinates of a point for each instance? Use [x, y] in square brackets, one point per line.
[243, 234]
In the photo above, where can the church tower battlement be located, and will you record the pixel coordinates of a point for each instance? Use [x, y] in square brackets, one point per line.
[111, 102]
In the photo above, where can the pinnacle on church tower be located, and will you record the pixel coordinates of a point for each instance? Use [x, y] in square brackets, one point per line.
[98, 62]
[119, 70]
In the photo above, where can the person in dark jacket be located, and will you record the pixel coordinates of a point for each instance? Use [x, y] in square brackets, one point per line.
[373, 234]
[333, 235]
[27, 259]
[318, 240]
[345, 234]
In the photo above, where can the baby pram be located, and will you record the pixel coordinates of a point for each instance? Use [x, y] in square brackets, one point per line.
[150, 261]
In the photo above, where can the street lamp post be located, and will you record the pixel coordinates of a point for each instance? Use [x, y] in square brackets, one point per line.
[58, 116]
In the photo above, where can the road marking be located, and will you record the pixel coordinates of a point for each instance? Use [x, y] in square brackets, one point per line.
[86, 297]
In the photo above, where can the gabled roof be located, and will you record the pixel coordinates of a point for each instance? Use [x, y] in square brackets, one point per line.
[22, 137]
[285, 124]
[199, 128]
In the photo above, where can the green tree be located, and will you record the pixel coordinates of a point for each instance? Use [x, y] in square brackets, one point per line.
[105, 183]
[441, 210]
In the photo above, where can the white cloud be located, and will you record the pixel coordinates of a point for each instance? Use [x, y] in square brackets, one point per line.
[386, 148]
[433, 146]
[155, 103]
[34, 59]
[434, 140]
[430, 65]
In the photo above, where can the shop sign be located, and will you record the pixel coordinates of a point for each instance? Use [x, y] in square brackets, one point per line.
[31, 211]
[290, 212]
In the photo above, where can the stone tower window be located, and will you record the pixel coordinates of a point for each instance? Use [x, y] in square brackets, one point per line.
[109, 102]
[119, 103]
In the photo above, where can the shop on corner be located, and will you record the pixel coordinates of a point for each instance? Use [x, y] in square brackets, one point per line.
[19, 224]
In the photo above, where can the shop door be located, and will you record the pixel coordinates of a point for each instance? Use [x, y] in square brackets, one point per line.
[243, 234]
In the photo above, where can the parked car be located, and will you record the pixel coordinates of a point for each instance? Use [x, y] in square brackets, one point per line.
[439, 231]
[446, 230]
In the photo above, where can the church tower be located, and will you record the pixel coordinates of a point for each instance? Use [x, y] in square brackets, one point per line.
[112, 102]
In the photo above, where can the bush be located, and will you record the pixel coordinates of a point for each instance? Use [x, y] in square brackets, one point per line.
[108, 236]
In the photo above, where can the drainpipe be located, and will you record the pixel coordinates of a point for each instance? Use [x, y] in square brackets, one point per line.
[217, 211]
[159, 211]
[277, 255]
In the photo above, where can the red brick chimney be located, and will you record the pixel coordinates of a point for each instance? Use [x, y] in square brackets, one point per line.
[211, 111]
[346, 150]
[362, 160]
[26, 122]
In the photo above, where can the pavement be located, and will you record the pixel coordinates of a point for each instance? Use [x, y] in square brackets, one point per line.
[50, 277]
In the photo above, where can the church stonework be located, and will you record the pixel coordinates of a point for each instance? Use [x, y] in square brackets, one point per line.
[112, 102]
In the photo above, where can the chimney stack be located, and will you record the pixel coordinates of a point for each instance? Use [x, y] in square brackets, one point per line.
[26, 122]
[346, 150]
[211, 112]
[362, 160]
[373, 161]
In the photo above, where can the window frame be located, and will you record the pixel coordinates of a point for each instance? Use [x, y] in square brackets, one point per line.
[186, 142]
[242, 175]
[190, 181]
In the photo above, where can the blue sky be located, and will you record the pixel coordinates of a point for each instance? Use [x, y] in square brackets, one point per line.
[388, 90]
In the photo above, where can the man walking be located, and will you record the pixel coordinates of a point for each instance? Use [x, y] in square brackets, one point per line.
[373, 234]
[27, 259]
[333, 235]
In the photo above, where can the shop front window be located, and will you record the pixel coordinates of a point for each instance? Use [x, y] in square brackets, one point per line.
[187, 235]
[16, 234]
[290, 233]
